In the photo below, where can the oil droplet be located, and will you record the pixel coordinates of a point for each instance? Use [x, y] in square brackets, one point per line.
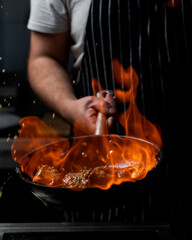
[110, 141]
[1, 58]
[84, 155]
[8, 139]
[15, 137]
[3, 70]
[1, 106]
[53, 115]
[34, 101]
[109, 154]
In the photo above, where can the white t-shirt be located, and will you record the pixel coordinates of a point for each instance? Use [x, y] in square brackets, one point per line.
[56, 16]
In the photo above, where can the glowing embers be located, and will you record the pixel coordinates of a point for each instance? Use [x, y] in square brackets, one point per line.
[91, 161]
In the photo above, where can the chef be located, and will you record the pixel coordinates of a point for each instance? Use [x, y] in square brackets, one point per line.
[95, 32]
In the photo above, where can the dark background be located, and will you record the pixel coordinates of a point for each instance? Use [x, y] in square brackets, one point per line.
[173, 178]
[17, 100]
[14, 44]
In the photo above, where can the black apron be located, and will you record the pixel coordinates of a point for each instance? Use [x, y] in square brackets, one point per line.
[143, 34]
[156, 41]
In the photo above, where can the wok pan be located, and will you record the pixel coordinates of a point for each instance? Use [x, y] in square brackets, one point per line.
[64, 198]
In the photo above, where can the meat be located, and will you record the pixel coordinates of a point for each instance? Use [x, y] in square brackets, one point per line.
[88, 177]
[77, 180]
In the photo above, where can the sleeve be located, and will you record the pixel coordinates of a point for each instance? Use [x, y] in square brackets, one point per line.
[48, 16]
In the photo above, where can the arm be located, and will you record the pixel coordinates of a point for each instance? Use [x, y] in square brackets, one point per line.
[49, 79]
[46, 70]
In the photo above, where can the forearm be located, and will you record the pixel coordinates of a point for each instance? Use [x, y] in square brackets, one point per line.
[51, 83]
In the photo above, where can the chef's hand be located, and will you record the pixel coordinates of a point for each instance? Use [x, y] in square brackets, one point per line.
[85, 111]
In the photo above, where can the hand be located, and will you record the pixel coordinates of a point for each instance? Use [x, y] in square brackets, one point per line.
[85, 111]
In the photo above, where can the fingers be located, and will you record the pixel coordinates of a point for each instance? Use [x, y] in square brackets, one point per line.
[112, 103]
[110, 122]
[86, 113]
[105, 105]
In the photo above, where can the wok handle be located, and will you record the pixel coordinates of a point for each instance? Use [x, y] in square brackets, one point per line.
[101, 124]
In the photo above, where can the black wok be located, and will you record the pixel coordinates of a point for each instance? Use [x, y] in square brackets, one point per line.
[64, 198]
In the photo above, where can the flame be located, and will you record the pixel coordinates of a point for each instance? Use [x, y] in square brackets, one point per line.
[173, 3]
[134, 123]
[91, 161]
[33, 134]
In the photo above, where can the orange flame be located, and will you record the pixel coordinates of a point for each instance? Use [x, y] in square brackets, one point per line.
[134, 123]
[173, 3]
[91, 161]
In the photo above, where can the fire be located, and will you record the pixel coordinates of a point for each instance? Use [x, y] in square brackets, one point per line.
[174, 3]
[134, 123]
[93, 160]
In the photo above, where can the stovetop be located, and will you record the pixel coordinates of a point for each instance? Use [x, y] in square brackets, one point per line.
[87, 232]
